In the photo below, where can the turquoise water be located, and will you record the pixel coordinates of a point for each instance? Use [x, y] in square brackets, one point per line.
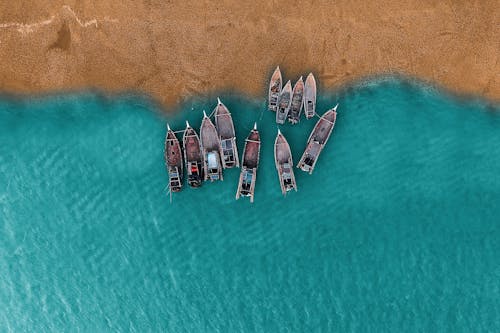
[396, 231]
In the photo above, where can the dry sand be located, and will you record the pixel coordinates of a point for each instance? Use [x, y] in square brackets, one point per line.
[176, 49]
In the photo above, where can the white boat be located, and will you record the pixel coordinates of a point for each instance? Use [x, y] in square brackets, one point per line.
[275, 86]
[284, 102]
[317, 140]
[310, 96]
[297, 102]
[210, 146]
[227, 137]
[284, 164]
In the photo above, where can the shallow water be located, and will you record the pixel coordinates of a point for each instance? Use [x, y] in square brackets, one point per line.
[396, 230]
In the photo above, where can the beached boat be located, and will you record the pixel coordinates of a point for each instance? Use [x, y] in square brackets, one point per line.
[284, 164]
[284, 102]
[210, 146]
[249, 165]
[173, 160]
[275, 86]
[317, 140]
[193, 156]
[310, 96]
[297, 102]
[227, 137]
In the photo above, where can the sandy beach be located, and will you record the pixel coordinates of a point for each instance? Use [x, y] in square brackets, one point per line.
[176, 49]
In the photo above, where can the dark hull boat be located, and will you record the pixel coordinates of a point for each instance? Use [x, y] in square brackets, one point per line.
[250, 163]
[284, 102]
[317, 140]
[275, 86]
[310, 96]
[284, 164]
[210, 146]
[193, 156]
[173, 160]
[297, 102]
[227, 136]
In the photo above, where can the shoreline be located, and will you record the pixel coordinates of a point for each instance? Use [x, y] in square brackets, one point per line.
[208, 100]
[174, 106]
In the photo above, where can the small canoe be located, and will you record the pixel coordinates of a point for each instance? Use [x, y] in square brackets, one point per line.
[227, 137]
[193, 156]
[284, 164]
[275, 86]
[310, 96]
[317, 140]
[284, 102]
[297, 102]
[210, 146]
[173, 160]
[250, 163]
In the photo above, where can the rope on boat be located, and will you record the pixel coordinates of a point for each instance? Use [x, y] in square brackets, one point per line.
[169, 192]
[261, 114]
[182, 131]
[210, 116]
[321, 117]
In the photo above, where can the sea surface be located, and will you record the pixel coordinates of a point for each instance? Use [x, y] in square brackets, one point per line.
[397, 230]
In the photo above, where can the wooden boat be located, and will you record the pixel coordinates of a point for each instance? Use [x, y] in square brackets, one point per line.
[284, 102]
[227, 137]
[317, 140]
[250, 163]
[193, 156]
[275, 86]
[173, 160]
[310, 96]
[297, 102]
[210, 147]
[284, 164]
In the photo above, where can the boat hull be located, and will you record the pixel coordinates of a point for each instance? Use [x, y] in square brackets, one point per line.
[297, 102]
[275, 86]
[174, 162]
[317, 140]
[193, 157]
[212, 167]
[250, 164]
[284, 102]
[227, 137]
[284, 164]
[309, 99]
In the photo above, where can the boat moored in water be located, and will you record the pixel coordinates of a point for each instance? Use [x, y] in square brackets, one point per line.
[284, 102]
[227, 136]
[284, 164]
[317, 140]
[275, 86]
[193, 156]
[210, 146]
[249, 165]
[310, 96]
[297, 102]
[173, 161]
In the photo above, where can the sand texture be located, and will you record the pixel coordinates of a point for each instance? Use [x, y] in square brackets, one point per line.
[176, 49]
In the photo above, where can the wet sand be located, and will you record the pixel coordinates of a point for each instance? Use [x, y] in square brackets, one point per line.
[173, 50]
